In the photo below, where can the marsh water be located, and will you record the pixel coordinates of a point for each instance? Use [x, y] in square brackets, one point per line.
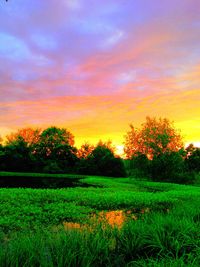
[41, 182]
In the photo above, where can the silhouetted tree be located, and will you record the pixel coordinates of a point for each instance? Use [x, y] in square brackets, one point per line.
[103, 162]
[55, 147]
[29, 138]
[16, 156]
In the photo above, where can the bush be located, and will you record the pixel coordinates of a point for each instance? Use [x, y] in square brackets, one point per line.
[82, 166]
[184, 177]
[16, 156]
[169, 167]
[101, 161]
[139, 166]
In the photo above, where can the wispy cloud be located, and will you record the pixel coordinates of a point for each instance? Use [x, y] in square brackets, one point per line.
[96, 66]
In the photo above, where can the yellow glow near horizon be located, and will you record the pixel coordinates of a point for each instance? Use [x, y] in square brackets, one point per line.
[196, 144]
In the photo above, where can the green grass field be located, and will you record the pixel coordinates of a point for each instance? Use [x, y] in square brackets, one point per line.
[159, 227]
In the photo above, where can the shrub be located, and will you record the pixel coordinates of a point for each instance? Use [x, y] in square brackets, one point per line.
[101, 161]
[169, 167]
[139, 166]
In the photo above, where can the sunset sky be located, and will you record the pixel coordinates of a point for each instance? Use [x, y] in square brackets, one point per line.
[94, 67]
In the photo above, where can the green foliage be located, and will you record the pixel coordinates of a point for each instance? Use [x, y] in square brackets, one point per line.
[16, 156]
[56, 145]
[167, 167]
[155, 239]
[52, 151]
[25, 208]
[103, 162]
[31, 231]
[53, 136]
[193, 160]
[35, 150]
[139, 166]
[153, 152]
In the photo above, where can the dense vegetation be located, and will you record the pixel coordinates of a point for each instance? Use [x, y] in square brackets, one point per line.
[52, 151]
[154, 151]
[161, 226]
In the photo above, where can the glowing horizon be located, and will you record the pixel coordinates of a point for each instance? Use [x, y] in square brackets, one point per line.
[94, 67]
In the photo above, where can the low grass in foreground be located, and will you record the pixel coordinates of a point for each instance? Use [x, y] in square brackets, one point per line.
[32, 231]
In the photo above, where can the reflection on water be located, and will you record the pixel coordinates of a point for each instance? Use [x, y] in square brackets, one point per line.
[119, 217]
[114, 218]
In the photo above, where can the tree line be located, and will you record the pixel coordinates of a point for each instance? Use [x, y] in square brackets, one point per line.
[52, 151]
[154, 151]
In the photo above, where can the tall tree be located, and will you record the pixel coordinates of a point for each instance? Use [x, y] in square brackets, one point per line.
[156, 136]
[53, 140]
[56, 147]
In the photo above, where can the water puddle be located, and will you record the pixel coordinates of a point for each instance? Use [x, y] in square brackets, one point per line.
[43, 182]
[114, 218]
[119, 217]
